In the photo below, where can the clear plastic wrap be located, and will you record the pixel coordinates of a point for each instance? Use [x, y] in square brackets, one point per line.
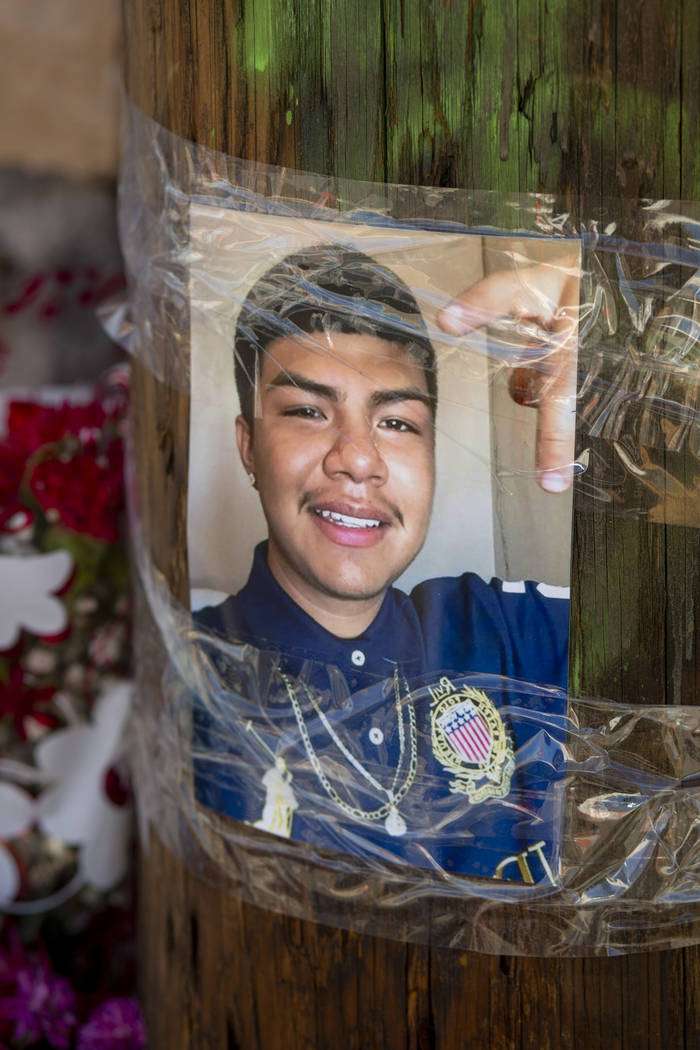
[368, 394]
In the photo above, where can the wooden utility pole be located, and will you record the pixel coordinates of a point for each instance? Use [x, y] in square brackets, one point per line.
[587, 100]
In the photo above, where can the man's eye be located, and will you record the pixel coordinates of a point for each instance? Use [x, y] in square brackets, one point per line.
[400, 425]
[304, 412]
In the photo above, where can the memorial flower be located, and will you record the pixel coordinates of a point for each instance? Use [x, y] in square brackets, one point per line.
[16, 817]
[65, 822]
[32, 424]
[83, 491]
[24, 703]
[76, 808]
[115, 1025]
[28, 587]
[11, 472]
[107, 644]
[64, 627]
[43, 1007]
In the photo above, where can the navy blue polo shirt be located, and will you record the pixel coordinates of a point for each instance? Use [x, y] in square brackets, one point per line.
[316, 737]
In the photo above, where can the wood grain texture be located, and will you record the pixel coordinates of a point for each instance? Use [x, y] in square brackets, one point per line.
[589, 100]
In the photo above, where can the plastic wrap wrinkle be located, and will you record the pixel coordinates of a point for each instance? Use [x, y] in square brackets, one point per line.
[417, 770]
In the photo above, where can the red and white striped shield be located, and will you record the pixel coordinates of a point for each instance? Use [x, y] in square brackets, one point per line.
[467, 732]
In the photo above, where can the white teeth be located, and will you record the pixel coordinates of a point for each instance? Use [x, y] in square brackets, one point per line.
[348, 521]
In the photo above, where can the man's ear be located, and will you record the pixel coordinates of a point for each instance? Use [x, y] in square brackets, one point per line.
[244, 440]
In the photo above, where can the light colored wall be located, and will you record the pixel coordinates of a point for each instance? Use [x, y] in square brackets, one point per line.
[59, 84]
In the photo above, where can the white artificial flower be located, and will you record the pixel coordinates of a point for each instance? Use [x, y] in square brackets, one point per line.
[17, 812]
[26, 594]
[75, 676]
[40, 661]
[107, 644]
[9, 876]
[86, 605]
[75, 808]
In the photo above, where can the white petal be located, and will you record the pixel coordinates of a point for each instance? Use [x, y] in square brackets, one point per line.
[26, 599]
[9, 628]
[16, 811]
[76, 759]
[104, 858]
[68, 812]
[75, 766]
[45, 615]
[111, 710]
[59, 753]
[9, 877]
[51, 570]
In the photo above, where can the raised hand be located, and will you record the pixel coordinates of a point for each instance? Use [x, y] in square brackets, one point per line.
[533, 314]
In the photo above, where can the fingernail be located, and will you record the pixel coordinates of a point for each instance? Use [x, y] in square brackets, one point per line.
[555, 480]
[453, 319]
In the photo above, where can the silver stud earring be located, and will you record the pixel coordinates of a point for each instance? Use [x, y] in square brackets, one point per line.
[251, 478]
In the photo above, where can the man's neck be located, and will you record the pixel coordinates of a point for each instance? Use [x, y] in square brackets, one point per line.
[345, 618]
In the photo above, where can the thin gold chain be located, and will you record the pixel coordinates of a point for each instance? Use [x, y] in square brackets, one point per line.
[394, 796]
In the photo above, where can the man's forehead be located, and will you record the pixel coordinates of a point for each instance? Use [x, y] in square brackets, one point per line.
[340, 357]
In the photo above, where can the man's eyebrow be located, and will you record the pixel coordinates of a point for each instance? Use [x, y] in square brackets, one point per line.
[300, 382]
[409, 393]
[331, 393]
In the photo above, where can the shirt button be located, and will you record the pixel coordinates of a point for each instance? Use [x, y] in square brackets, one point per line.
[376, 735]
[358, 658]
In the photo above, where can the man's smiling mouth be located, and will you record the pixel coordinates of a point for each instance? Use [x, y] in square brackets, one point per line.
[348, 521]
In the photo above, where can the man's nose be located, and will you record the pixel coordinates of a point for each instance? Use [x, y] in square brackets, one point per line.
[354, 453]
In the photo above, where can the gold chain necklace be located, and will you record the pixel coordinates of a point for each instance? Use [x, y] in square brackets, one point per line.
[393, 821]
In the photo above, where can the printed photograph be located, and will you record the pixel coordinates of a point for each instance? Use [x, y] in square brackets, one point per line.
[379, 507]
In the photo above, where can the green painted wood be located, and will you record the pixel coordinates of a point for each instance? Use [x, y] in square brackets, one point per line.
[588, 100]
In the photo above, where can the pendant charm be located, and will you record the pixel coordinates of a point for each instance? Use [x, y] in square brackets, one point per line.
[394, 823]
[280, 801]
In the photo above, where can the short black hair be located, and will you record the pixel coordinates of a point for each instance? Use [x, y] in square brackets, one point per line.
[327, 289]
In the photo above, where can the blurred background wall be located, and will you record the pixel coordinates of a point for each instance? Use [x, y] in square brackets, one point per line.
[59, 256]
[59, 82]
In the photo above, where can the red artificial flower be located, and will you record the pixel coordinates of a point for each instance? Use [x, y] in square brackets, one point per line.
[21, 702]
[116, 786]
[31, 425]
[83, 493]
[78, 480]
[31, 288]
[11, 472]
[15, 519]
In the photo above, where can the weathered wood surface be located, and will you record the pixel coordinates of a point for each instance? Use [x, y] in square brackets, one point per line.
[591, 100]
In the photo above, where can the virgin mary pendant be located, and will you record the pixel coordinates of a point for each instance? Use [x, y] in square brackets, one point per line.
[394, 823]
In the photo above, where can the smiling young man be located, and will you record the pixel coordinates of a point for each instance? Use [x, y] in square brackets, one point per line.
[342, 456]
[338, 391]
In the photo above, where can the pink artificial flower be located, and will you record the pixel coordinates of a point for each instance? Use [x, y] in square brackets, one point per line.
[12, 958]
[108, 643]
[43, 1007]
[115, 1025]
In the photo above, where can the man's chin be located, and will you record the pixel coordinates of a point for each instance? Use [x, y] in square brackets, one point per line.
[350, 596]
[355, 590]
[339, 579]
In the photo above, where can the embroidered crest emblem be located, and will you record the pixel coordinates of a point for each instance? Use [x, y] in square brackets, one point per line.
[470, 741]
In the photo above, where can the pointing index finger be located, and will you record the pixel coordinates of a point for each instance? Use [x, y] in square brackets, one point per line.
[546, 293]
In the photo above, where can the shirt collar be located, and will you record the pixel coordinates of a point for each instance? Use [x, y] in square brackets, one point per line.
[268, 615]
